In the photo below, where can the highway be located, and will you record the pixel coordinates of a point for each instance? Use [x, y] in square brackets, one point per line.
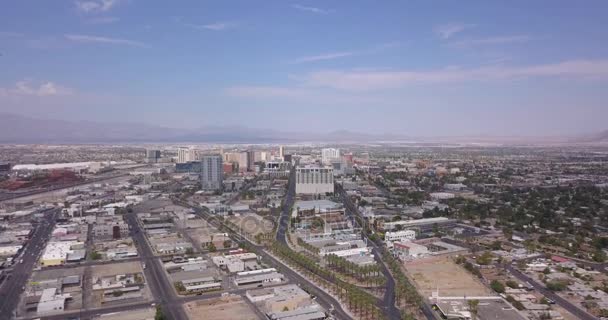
[12, 288]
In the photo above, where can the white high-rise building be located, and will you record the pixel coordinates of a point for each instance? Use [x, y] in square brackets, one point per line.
[188, 154]
[281, 151]
[314, 180]
[330, 154]
[212, 174]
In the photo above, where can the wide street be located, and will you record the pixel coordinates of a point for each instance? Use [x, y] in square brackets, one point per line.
[161, 288]
[12, 288]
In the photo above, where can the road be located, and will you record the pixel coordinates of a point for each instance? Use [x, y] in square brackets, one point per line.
[577, 312]
[392, 311]
[161, 288]
[425, 308]
[12, 288]
[325, 300]
[287, 205]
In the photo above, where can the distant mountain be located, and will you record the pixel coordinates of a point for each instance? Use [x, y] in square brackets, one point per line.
[21, 129]
[600, 137]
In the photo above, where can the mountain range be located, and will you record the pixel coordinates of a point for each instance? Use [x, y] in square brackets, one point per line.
[22, 129]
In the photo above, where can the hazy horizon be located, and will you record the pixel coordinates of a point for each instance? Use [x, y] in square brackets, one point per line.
[516, 69]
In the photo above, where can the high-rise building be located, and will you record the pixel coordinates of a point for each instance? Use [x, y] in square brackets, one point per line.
[152, 155]
[314, 180]
[188, 155]
[250, 160]
[330, 154]
[183, 155]
[281, 151]
[212, 173]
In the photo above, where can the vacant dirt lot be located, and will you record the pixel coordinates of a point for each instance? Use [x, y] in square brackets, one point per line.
[220, 309]
[252, 223]
[441, 272]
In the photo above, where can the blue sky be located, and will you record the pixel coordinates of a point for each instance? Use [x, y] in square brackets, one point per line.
[413, 67]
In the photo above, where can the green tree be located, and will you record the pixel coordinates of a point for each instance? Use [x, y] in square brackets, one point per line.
[160, 315]
[95, 255]
[473, 308]
[497, 286]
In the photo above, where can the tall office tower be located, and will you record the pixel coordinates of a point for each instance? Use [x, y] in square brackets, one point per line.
[281, 151]
[212, 174]
[330, 154]
[250, 160]
[152, 155]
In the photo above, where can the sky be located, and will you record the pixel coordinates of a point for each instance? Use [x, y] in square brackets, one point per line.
[423, 68]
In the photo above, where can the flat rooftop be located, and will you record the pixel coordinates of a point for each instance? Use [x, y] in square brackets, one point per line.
[488, 308]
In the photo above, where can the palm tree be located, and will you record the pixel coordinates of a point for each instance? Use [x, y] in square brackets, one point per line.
[473, 308]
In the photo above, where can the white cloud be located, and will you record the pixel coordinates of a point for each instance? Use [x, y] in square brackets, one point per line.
[265, 92]
[310, 9]
[498, 40]
[103, 40]
[217, 26]
[93, 6]
[102, 20]
[342, 54]
[27, 88]
[378, 80]
[447, 30]
[326, 56]
[9, 34]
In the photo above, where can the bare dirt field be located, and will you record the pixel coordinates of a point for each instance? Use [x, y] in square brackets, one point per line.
[252, 223]
[443, 274]
[220, 309]
[113, 269]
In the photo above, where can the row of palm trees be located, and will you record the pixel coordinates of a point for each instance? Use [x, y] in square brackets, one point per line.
[307, 246]
[405, 293]
[369, 274]
[358, 300]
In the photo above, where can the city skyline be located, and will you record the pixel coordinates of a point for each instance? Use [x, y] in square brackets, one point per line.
[395, 68]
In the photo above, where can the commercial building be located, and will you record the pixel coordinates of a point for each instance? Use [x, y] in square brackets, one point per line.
[212, 172]
[442, 195]
[51, 302]
[314, 180]
[399, 236]
[330, 154]
[250, 160]
[189, 167]
[5, 167]
[406, 250]
[152, 155]
[188, 155]
[56, 252]
[315, 207]
[111, 230]
[257, 279]
[420, 224]
[276, 169]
